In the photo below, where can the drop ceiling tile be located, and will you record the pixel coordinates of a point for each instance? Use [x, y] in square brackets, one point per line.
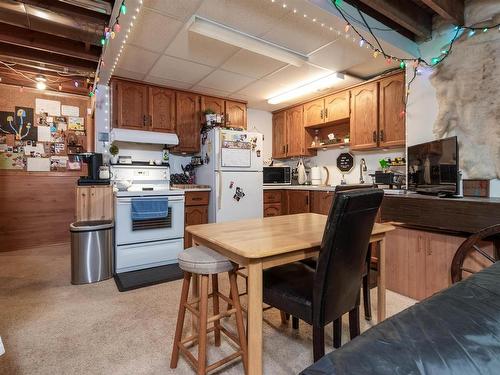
[167, 82]
[168, 67]
[261, 90]
[179, 9]
[225, 81]
[299, 34]
[372, 67]
[251, 64]
[136, 59]
[154, 31]
[254, 17]
[198, 48]
[292, 76]
[124, 73]
[210, 91]
[340, 55]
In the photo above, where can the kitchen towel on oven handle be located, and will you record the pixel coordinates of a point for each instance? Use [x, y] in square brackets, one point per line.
[149, 208]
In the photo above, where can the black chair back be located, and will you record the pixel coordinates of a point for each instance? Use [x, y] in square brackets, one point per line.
[342, 256]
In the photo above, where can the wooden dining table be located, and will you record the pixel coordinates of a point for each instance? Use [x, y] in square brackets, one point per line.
[258, 244]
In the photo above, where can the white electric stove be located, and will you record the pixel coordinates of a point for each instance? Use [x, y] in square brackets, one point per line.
[145, 246]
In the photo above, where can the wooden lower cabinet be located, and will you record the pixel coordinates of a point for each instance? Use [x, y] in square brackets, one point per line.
[195, 211]
[273, 202]
[272, 209]
[418, 262]
[94, 203]
[321, 201]
[297, 201]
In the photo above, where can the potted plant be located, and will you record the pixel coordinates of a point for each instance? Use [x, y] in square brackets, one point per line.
[114, 150]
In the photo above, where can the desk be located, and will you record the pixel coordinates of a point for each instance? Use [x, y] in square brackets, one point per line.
[263, 243]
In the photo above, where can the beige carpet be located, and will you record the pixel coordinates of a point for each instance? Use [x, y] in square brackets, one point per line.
[49, 326]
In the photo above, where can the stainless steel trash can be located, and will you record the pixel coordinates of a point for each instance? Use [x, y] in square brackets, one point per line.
[92, 257]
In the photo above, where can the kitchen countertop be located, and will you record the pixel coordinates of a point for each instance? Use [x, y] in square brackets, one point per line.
[299, 187]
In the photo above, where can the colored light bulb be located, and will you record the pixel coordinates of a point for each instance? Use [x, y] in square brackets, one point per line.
[117, 27]
[472, 32]
[402, 64]
[346, 29]
[123, 8]
[361, 42]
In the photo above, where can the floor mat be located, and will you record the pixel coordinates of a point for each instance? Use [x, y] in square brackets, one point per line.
[150, 276]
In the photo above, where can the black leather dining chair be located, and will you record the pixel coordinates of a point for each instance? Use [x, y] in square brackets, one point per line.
[322, 295]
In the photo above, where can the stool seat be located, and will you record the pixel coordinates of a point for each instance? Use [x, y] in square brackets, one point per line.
[203, 261]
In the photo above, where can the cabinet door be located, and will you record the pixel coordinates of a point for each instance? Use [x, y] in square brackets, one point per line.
[295, 131]
[272, 209]
[162, 110]
[337, 106]
[417, 273]
[364, 116]
[94, 203]
[396, 261]
[321, 201]
[194, 215]
[236, 114]
[314, 112]
[297, 201]
[131, 105]
[188, 122]
[279, 135]
[392, 132]
[211, 103]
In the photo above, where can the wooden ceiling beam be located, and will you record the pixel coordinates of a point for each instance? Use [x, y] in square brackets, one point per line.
[406, 14]
[43, 57]
[47, 42]
[452, 10]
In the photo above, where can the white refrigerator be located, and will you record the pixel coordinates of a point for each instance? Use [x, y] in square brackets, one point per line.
[232, 166]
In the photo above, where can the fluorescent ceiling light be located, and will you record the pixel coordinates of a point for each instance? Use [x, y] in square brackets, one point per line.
[318, 85]
[249, 42]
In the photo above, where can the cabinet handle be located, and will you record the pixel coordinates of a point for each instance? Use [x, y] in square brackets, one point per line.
[381, 136]
[374, 136]
[284, 150]
[287, 148]
[144, 120]
[307, 200]
[321, 113]
[326, 113]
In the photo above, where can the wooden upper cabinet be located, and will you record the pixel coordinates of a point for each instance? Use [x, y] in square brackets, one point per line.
[236, 114]
[279, 135]
[364, 117]
[214, 104]
[295, 129]
[161, 110]
[314, 112]
[130, 110]
[337, 106]
[392, 130]
[188, 122]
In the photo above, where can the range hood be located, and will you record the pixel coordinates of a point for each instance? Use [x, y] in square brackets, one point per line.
[140, 136]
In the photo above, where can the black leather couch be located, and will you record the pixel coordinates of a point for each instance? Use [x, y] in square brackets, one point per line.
[456, 331]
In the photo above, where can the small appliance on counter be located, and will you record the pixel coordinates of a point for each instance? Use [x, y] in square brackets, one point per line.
[94, 164]
[277, 175]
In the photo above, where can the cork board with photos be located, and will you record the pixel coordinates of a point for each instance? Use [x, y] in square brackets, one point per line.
[42, 132]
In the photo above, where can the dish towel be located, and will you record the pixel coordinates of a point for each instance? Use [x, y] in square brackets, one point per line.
[149, 208]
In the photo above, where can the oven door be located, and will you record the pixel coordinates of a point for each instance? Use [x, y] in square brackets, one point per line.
[128, 233]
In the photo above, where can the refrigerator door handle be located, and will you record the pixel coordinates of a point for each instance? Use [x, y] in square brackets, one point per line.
[219, 192]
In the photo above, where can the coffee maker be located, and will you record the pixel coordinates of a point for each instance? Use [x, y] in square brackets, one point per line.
[94, 162]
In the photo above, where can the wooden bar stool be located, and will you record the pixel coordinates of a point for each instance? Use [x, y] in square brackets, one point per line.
[202, 261]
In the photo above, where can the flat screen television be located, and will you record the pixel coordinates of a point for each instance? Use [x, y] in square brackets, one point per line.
[433, 167]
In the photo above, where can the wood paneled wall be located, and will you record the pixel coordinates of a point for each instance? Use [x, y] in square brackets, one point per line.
[36, 208]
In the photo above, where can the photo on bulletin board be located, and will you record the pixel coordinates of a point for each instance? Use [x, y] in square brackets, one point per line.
[12, 160]
[24, 124]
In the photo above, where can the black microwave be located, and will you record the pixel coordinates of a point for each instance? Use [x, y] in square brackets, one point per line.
[277, 175]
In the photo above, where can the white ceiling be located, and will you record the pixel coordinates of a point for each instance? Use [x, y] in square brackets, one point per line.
[162, 50]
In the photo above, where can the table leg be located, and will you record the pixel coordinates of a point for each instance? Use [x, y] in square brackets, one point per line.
[254, 318]
[381, 282]
[195, 294]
